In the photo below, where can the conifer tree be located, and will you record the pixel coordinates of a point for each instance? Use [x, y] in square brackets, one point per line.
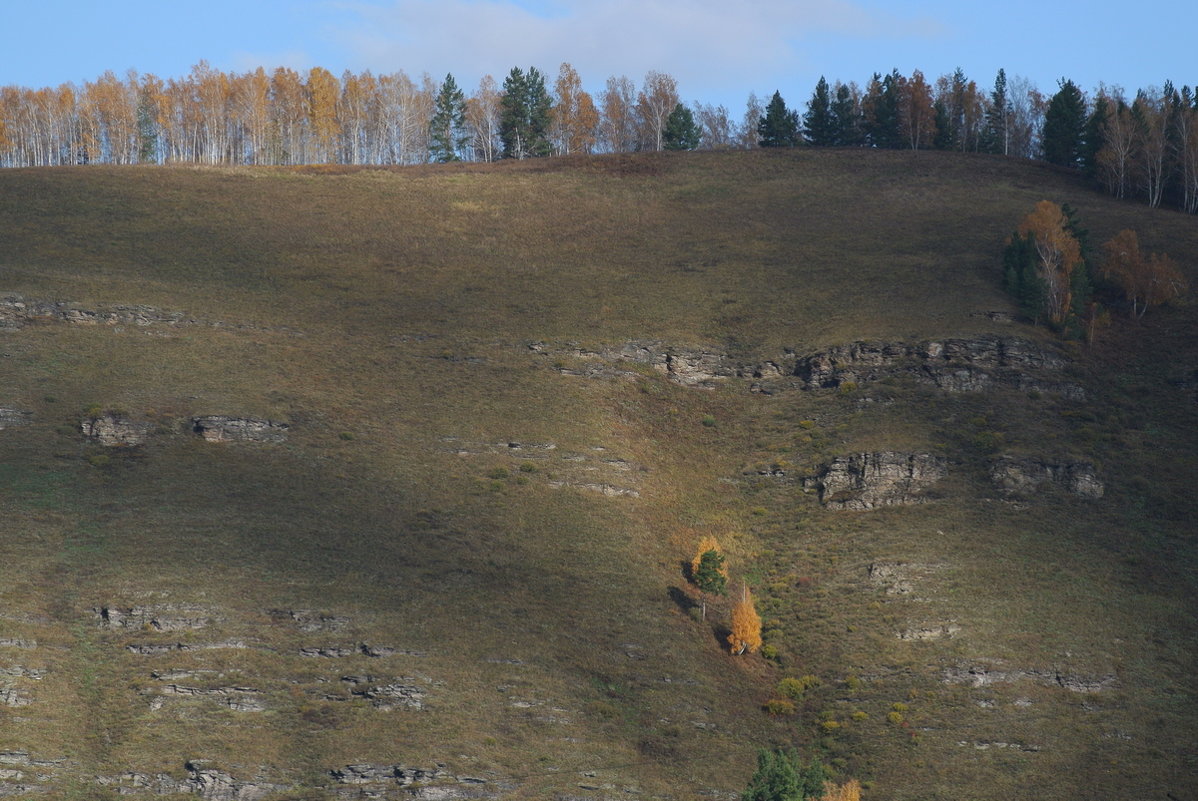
[776, 778]
[1064, 126]
[708, 572]
[1020, 278]
[819, 123]
[881, 107]
[778, 127]
[998, 118]
[846, 113]
[524, 114]
[447, 130]
[681, 132]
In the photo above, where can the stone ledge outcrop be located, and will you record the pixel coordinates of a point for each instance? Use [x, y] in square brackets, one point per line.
[1022, 476]
[984, 675]
[14, 418]
[115, 430]
[886, 478]
[972, 364]
[225, 428]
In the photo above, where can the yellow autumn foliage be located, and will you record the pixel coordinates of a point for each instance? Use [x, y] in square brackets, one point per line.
[708, 543]
[746, 626]
[849, 791]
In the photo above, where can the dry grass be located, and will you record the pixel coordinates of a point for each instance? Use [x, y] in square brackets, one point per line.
[384, 312]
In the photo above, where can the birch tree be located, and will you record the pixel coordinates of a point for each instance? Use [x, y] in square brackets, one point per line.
[573, 117]
[655, 101]
[1058, 255]
[617, 119]
[482, 119]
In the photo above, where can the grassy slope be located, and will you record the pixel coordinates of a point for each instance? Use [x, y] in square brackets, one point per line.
[391, 310]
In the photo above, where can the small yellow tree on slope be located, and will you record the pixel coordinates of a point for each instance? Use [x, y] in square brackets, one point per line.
[746, 625]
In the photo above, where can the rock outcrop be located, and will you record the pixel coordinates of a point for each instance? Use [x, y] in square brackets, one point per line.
[239, 699]
[1021, 476]
[16, 311]
[692, 367]
[114, 430]
[425, 784]
[203, 781]
[224, 428]
[155, 618]
[308, 620]
[386, 695]
[984, 675]
[13, 418]
[361, 649]
[868, 480]
[953, 365]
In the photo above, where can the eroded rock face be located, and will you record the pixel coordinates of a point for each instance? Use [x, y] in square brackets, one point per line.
[216, 785]
[426, 784]
[309, 620]
[223, 428]
[155, 618]
[114, 430]
[12, 418]
[386, 695]
[692, 367]
[984, 675]
[868, 480]
[953, 365]
[386, 774]
[1026, 475]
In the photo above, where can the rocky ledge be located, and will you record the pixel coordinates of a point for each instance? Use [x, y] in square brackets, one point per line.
[861, 481]
[1021, 476]
[967, 364]
[984, 675]
[953, 365]
[223, 428]
[204, 781]
[389, 781]
[12, 418]
[17, 311]
[691, 367]
[115, 430]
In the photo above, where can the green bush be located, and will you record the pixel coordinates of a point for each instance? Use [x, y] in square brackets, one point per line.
[779, 707]
[796, 689]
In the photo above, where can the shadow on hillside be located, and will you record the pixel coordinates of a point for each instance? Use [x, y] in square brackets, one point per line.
[684, 601]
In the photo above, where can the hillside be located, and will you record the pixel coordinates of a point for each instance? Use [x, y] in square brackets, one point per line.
[319, 483]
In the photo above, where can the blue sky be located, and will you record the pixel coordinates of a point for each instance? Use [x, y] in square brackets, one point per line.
[718, 50]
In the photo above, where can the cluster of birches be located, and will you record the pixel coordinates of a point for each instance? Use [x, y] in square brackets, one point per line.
[1050, 269]
[1144, 146]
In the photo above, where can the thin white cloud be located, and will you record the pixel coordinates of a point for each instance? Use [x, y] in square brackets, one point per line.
[705, 44]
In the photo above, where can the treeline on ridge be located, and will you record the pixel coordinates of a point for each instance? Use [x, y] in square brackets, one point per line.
[1143, 145]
